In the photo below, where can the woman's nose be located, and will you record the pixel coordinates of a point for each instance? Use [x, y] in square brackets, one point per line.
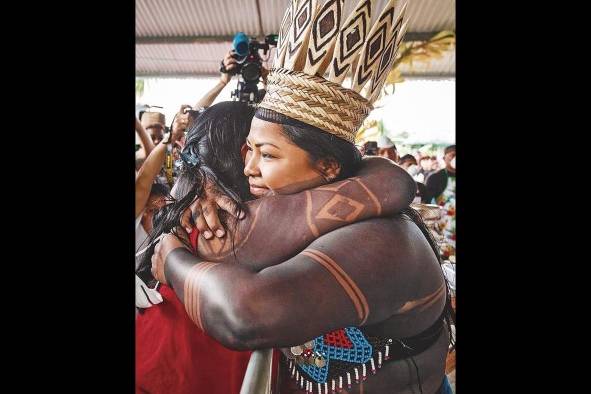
[250, 164]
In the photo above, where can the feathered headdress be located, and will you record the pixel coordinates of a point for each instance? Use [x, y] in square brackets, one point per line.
[314, 41]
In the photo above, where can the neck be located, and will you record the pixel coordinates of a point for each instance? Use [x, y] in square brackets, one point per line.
[450, 170]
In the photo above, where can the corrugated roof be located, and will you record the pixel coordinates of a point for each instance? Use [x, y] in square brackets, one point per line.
[179, 59]
[175, 18]
[184, 37]
[431, 15]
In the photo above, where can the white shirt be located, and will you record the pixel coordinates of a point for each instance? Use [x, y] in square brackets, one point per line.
[141, 237]
[144, 296]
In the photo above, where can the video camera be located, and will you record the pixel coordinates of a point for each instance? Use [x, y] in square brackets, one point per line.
[249, 66]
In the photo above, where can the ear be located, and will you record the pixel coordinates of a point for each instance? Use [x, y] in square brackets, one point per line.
[329, 168]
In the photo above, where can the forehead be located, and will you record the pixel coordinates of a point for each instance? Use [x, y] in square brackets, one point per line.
[264, 131]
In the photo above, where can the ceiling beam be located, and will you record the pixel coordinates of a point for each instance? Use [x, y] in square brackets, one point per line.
[148, 74]
[410, 36]
[183, 40]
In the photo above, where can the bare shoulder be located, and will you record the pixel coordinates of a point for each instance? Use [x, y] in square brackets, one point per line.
[395, 239]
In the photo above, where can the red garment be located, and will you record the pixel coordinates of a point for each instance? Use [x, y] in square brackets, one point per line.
[173, 356]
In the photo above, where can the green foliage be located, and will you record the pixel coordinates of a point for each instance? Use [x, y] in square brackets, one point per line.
[139, 87]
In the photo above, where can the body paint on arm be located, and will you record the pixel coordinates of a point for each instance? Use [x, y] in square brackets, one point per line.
[192, 290]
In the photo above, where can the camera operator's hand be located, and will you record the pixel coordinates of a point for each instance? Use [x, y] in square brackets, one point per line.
[204, 212]
[180, 124]
[230, 64]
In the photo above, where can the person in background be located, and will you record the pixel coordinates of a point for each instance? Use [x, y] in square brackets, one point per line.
[443, 180]
[171, 355]
[229, 64]
[156, 200]
[434, 164]
[418, 156]
[146, 144]
[370, 148]
[154, 124]
[407, 162]
[387, 148]
[147, 201]
[425, 170]
[441, 190]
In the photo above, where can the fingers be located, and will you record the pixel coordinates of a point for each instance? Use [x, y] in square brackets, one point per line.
[229, 57]
[182, 234]
[189, 217]
[229, 65]
[166, 244]
[200, 223]
[186, 220]
[229, 62]
[210, 215]
[228, 205]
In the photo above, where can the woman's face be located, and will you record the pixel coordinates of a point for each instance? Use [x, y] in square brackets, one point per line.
[274, 165]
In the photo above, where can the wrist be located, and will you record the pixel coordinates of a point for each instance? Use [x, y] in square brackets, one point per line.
[177, 262]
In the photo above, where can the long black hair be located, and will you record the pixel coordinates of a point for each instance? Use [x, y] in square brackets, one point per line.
[212, 152]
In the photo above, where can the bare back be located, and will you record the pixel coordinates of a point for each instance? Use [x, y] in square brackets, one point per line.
[408, 294]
